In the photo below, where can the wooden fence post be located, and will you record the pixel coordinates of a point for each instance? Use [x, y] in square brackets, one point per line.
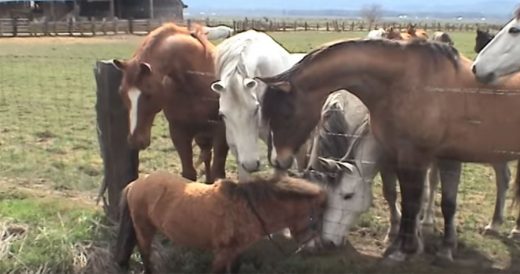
[327, 26]
[15, 26]
[121, 164]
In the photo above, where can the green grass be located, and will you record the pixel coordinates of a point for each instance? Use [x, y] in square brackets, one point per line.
[52, 231]
[48, 137]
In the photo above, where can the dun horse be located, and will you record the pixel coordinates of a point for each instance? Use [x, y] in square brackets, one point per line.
[225, 217]
[172, 71]
[427, 107]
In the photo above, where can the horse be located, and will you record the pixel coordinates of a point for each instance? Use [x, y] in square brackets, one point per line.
[424, 109]
[239, 59]
[225, 217]
[345, 158]
[218, 32]
[482, 39]
[442, 37]
[172, 71]
[411, 33]
[501, 56]
[376, 34]
[502, 174]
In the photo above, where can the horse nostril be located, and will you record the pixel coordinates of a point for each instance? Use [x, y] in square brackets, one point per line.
[257, 164]
[474, 69]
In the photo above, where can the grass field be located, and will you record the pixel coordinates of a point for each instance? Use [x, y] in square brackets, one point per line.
[50, 169]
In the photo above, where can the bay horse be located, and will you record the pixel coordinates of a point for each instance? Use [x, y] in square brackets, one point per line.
[238, 60]
[501, 56]
[424, 108]
[172, 71]
[225, 217]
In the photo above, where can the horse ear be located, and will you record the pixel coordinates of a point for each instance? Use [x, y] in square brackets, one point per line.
[119, 64]
[145, 68]
[284, 86]
[217, 86]
[328, 164]
[348, 167]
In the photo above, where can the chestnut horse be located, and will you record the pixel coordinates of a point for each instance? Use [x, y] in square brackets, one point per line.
[172, 71]
[426, 107]
[225, 217]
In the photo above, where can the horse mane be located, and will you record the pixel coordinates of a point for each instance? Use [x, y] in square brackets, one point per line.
[260, 189]
[331, 142]
[230, 55]
[433, 49]
[152, 40]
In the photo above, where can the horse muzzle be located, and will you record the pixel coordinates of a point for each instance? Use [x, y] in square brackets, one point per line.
[250, 166]
[138, 142]
[483, 78]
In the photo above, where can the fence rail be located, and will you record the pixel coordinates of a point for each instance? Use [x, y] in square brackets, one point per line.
[23, 27]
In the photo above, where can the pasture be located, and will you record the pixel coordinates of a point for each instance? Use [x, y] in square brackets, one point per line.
[50, 170]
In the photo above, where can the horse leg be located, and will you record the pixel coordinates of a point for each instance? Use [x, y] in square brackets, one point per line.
[433, 181]
[515, 233]
[389, 179]
[502, 177]
[144, 232]
[450, 178]
[224, 261]
[220, 151]
[182, 141]
[205, 155]
[411, 172]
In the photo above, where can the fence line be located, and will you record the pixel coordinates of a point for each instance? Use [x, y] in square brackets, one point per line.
[14, 27]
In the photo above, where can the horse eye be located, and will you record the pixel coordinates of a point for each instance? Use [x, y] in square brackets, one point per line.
[514, 30]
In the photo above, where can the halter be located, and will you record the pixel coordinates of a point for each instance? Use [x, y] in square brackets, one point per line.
[312, 225]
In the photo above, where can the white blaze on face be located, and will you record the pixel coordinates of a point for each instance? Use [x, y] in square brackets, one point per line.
[133, 95]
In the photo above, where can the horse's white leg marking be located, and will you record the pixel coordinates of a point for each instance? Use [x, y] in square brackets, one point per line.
[133, 95]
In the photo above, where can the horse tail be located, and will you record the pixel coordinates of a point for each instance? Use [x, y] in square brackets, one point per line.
[517, 185]
[126, 238]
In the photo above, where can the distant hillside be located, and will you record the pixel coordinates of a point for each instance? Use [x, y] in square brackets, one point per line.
[500, 8]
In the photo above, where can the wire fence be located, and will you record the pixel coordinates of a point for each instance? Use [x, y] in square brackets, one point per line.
[48, 132]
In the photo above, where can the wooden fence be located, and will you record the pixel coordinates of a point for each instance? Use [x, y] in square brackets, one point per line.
[23, 27]
[120, 162]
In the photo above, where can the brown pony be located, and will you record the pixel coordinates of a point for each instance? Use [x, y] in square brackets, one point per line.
[426, 107]
[172, 71]
[225, 217]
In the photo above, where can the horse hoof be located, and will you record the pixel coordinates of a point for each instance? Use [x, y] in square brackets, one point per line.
[428, 228]
[445, 255]
[515, 235]
[490, 231]
[394, 258]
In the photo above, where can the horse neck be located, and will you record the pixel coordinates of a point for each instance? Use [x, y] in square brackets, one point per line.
[365, 71]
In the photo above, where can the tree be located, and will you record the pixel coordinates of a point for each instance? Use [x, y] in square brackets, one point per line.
[371, 14]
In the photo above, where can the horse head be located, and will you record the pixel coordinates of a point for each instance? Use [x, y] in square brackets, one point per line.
[289, 118]
[240, 110]
[140, 91]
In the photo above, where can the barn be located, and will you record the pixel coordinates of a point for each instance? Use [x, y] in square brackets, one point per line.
[124, 9]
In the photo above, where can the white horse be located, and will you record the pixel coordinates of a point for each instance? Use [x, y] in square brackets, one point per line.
[502, 55]
[376, 34]
[240, 59]
[218, 32]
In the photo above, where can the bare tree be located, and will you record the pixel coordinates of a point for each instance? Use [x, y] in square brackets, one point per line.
[371, 14]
